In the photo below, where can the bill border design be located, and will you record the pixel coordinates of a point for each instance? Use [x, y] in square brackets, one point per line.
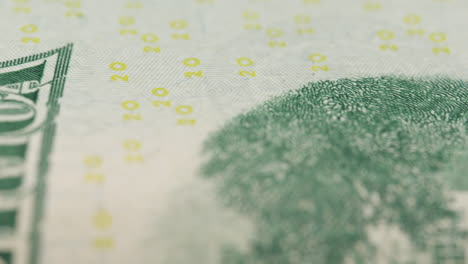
[48, 131]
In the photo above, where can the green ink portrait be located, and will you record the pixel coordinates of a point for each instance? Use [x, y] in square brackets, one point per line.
[317, 168]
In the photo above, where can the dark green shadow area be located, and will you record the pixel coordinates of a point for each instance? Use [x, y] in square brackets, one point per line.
[315, 168]
[6, 257]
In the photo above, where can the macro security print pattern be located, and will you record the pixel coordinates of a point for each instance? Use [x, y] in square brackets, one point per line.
[247, 131]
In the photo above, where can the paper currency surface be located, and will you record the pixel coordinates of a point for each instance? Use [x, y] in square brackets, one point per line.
[233, 132]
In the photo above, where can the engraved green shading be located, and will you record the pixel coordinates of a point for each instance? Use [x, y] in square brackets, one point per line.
[29, 74]
[316, 168]
[12, 166]
[15, 115]
[23, 112]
